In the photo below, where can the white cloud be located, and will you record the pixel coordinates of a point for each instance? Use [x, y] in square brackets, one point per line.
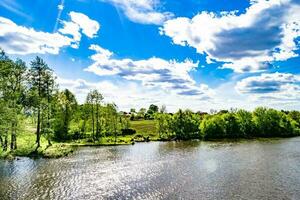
[72, 29]
[89, 27]
[127, 94]
[266, 32]
[79, 22]
[15, 39]
[169, 75]
[142, 11]
[279, 87]
[277, 90]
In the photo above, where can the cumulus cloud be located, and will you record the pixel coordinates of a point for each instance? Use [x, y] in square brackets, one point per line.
[79, 22]
[153, 72]
[15, 39]
[251, 41]
[88, 26]
[142, 11]
[128, 94]
[272, 86]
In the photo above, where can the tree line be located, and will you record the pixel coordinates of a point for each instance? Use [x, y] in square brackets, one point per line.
[262, 122]
[32, 92]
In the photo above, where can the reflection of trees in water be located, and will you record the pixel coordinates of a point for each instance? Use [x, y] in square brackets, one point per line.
[189, 146]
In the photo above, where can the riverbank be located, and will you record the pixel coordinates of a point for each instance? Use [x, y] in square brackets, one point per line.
[145, 132]
[26, 147]
[57, 150]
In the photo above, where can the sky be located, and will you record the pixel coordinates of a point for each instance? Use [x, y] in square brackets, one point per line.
[190, 54]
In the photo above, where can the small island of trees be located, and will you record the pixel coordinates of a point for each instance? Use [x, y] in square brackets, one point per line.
[38, 119]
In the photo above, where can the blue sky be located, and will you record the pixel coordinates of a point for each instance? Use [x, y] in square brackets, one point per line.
[197, 54]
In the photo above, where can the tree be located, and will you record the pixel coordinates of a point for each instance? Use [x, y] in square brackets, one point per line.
[114, 120]
[163, 109]
[246, 124]
[67, 106]
[273, 123]
[98, 100]
[132, 110]
[132, 113]
[151, 111]
[141, 113]
[163, 125]
[232, 127]
[213, 127]
[39, 81]
[12, 77]
[94, 100]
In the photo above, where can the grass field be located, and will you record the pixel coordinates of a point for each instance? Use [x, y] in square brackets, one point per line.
[145, 128]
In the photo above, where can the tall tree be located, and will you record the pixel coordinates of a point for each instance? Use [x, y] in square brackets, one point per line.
[114, 120]
[12, 76]
[94, 99]
[39, 82]
[67, 106]
[50, 88]
[90, 103]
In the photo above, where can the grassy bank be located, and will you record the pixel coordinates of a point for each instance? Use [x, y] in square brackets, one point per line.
[27, 147]
[145, 131]
[145, 128]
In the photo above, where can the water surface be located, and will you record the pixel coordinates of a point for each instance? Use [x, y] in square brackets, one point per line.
[161, 170]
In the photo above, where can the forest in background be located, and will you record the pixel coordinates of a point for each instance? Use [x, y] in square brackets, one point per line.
[31, 104]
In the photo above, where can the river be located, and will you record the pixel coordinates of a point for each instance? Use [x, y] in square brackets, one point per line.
[268, 169]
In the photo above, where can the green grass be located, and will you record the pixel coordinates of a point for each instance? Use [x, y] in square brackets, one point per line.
[144, 127]
[26, 141]
[26, 145]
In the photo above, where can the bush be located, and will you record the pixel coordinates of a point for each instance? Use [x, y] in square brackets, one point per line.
[128, 131]
[213, 127]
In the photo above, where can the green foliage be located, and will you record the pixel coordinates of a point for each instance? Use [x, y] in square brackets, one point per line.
[273, 123]
[163, 125]
[246, 124]
[263, 122]
[65, 109]
[151, 111]
[213, 127]
[12, 92]
[32, 94]
[41, 87]
[182, 125]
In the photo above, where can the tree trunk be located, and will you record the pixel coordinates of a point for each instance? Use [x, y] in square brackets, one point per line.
[5, 143]
[115, 129]
[38, 128]
[93, 121]
[97, 121]
[66, 123]
[48, 116]
[49, 143]
[1, 141]
[13, 140]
